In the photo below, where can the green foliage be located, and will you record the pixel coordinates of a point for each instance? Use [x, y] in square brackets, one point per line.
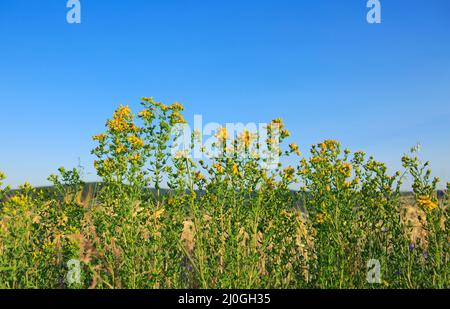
[227, 223]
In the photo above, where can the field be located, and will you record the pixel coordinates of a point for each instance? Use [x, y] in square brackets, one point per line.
[336, 219]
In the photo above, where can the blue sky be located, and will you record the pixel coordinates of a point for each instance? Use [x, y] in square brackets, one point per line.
[317, 64]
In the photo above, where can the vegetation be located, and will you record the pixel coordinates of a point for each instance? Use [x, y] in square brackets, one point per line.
[227, 223]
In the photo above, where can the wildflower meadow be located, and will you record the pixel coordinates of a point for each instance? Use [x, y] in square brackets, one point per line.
[161, 218]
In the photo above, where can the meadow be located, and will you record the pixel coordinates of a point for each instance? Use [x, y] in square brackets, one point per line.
[336, 219]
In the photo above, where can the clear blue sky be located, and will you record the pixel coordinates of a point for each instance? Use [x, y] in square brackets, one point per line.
[317, 64]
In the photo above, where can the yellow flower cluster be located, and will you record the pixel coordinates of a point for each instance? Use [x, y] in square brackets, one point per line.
[160, 105]
[120, 149]
[176, 107]
[199, 176]
[329, 144]
[294, 148]
[346, 169]
[99, 137]
[321, 218]
[218, 167]
[2, 177]
[146, 114]
[273, 142]
[222, 134]
[176, 118]
[288, 173]
[135, 141]
[26, 187]
[121, 120]
[426, 202]
[278, 124]
[19, 200]
[135, 158]
[316, 159]
[245, 138]
[235, 169]
[108, 165]
[303, 166]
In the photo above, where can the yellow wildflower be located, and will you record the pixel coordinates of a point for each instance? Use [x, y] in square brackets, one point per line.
[218, 168]
[285, 133]
[278, 123]
[123, 112]
[346, 169]
[120, 149]
[146, 114]
[116, 125]
[277, 120]
[245, 138]
[99, 137]
[426, 202]
[288, 173]
[108, 165]
[294, 148]
[273, 142]
[2, 177]
[161, 105]
[26, 186]
[19, 200]
[135, 141]
[222, 134]
[176, 118]
[316, 160]
[321, 217]
[121, 120]
[199, 176]
[176, 107]
[329, 144]
[135, 158]
[235, 169]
